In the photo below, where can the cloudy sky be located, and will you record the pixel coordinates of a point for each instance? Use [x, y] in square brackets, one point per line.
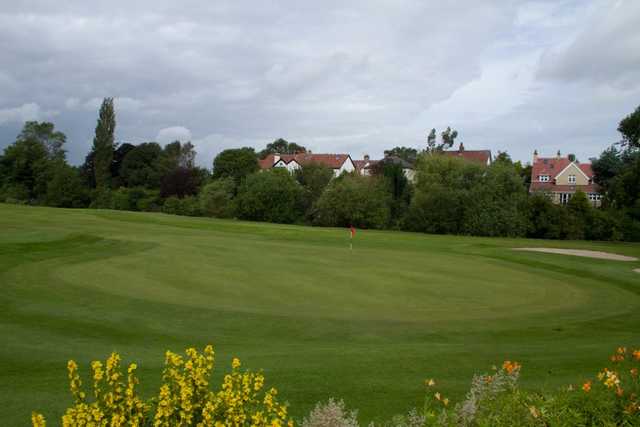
[335, 76]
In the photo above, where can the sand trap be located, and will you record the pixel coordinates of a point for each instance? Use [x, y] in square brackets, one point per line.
[581, 252]
[637, 270]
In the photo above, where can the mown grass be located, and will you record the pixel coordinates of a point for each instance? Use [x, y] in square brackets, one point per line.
[366, 325]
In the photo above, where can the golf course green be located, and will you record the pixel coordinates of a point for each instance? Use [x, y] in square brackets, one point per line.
[367, 324]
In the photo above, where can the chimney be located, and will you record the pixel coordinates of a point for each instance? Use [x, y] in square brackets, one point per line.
[366, 157]
[461, 148]
[558, 155]
[535, 156]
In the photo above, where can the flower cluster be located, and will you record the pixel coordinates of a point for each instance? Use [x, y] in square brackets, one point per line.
[185, 397]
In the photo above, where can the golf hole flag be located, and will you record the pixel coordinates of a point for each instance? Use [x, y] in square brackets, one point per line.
[352, 231]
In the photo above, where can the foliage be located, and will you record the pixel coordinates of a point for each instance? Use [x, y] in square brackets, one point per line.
[216, 198]
[444, 190]
[236, 163]
[408, 154]
[187, 206]
[27, 166]
[66, 189]
[103, 144]
[314, 178]
[135, 199]
[448, 137]
[629, 127]
[185, 397]
[281, 146]
[391, 171]
[353, 200]
[182, 181]
[272, 196]
[119, 154]
[141, 166]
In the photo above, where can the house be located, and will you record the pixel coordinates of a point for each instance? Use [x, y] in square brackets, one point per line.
[561, 177]
[339, 163]
[365, 167]
[477, 156]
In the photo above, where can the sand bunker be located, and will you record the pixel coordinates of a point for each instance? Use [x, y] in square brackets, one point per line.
[584, 253]
[637, 270]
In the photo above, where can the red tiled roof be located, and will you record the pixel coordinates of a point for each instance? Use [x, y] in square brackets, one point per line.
[333, 161]
[552, 166]
[551, 187]
[479, 156]
[364, 164]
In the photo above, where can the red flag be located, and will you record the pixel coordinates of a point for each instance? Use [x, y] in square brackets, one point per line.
[353, 231]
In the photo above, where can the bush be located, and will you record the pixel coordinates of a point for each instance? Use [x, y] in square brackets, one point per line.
[353, 200]
[184, 399]
[331, 414]
[271, 196]
[188, 206]
[216, 198]
[135, 199]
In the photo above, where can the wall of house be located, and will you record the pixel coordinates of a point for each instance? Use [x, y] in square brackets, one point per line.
[347, 166]
[563, 179]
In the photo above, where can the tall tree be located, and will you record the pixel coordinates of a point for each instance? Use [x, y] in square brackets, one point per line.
[448, 137]
[104, 145]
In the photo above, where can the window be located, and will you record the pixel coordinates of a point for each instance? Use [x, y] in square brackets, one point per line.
[594, 197]
[572, 179]
[543, 178]
[564, 198]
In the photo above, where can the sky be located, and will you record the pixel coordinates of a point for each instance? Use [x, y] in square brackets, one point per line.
[339, 76]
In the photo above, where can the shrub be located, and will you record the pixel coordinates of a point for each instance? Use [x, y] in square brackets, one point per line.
[331, 414]
[188, 206]
[135, 199]
[185, 397]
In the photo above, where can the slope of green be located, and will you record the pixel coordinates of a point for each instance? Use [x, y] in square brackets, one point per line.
[367, 325]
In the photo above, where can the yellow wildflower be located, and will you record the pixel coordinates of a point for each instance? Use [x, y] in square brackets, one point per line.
[430, 382]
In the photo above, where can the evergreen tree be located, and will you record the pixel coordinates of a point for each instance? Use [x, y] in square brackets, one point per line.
[103, 144]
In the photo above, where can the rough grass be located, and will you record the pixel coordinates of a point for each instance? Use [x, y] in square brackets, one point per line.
[366, 325]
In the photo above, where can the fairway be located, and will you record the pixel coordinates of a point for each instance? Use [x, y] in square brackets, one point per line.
[367, 325]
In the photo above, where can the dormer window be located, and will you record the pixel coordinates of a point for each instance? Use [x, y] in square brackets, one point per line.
[543, 178]
[572, 179]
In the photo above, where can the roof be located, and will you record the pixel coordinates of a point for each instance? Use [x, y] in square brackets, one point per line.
[552, 166]
[333, 161]
[477, 156]
[551, 187]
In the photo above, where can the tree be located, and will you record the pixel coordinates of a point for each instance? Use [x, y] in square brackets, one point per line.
[178, 155]
[281, 146]
[141, 166]
[182, 182]
[236, 163]
[314, 178]
[391, 171]
[271, 196]
[546, 219]
[45, 133]
[216, 198]
[407, 154]
[444, 190]
[119, 154]
[629, 127]
[353, 200]
[27, 165]
[66, 189]
[103, 144]
[448, 137]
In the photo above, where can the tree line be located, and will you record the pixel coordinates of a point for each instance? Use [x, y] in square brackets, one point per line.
[448, 195]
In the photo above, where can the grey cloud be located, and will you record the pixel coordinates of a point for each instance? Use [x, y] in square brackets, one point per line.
[335, 76]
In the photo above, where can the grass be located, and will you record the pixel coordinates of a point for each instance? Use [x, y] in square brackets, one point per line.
[367, 325]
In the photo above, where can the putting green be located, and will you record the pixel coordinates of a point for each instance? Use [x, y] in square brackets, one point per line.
[367, 325]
